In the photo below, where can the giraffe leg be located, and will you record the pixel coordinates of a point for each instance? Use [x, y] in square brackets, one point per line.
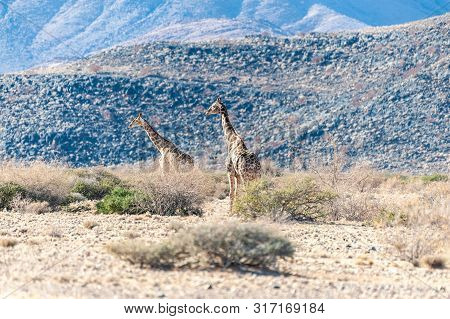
[231, 180]
[164, 164]
[161, 164]
[175, 164]
[239, 181]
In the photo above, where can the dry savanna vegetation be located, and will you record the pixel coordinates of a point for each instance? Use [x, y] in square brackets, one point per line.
[323, 227]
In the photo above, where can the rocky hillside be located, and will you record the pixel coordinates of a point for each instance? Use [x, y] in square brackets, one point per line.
[40, 31]
[382, 94]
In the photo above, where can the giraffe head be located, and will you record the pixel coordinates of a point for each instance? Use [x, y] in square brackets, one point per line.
[216, 108]
[137, 121]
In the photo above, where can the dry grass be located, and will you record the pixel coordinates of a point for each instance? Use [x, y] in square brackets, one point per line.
[38, 187]
[419, 242]
[149, 191]
[415, 207]
[381, 198]
[26, 205]
[199, 183]
[363, 194]
[44, 182]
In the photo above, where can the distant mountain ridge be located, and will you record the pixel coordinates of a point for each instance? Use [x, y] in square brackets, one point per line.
[38, 31]
[318, 19]
[380, 94]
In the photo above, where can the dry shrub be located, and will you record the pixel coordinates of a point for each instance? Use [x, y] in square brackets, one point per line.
[425, 236]
[435, 262]
[140, 190]
[9, 192]
[419, 203]
[51, 183]
[378, 198]
[169, 198]
[159, 199]
[26, 205]
[424, 208]
[434, 178]
[95, 183]
[148, 191]
[421, 241]
[236, 244]
[8, 242]
[176, 225]
[206, 245]
[198, 182]
[269, 168]
[160, 255]
[220, 182]
[386, 205]
[54, 232]
[291, 197]
[131, 235]
[355, 186]
[80, 206]
[364, 260]
[89, 224]
[331, 172]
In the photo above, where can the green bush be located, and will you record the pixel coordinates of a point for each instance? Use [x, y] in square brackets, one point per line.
[121, 200]
[298, 200]
[435, 178]
[9, 191]
[207, 245]
[95, 185]
[90, 190]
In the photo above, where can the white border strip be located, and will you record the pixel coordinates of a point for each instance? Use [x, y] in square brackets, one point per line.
[248, 308]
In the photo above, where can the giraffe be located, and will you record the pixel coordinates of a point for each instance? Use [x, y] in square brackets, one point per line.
[242, 165]
[172, 159]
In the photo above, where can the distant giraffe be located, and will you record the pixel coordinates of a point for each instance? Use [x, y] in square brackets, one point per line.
[242, 165]
[172, 159]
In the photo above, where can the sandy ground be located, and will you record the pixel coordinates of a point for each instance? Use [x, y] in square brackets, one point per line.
[57, 257]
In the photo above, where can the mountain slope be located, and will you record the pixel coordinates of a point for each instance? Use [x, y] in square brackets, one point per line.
[209, 29]
[37, 31]
[322, 19]
[382, 95]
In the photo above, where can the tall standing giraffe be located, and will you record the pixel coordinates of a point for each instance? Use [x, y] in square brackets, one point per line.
[242, 165]
[172, 159]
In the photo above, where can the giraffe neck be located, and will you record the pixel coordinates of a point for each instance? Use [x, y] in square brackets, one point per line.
[228, 129]
[159, 141]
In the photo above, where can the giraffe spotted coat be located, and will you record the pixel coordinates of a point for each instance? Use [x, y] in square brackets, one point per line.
[242, 165]
[172, 159]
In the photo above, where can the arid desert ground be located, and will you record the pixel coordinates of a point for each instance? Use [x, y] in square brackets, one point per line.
[63, 252]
